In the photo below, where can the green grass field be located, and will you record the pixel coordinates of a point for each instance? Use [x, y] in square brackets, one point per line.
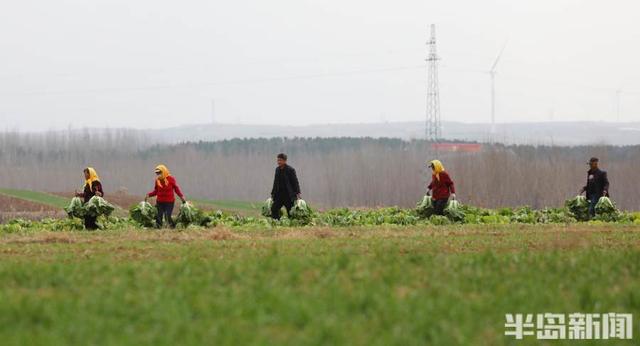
[240, 207]
[36, 197]
[447, 285]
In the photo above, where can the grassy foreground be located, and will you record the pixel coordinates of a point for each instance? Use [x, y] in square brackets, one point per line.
[383, 285]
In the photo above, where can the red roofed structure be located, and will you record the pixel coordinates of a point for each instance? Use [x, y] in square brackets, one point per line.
[457, 147]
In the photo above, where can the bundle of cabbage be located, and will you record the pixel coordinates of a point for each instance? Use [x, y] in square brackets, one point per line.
[188, 214]
[578, 207]
[97, 206]
[453, 211]
[144, 214]
[606, 210]
[266, 207]
[424, 207]
[301, 211]
[75, 208]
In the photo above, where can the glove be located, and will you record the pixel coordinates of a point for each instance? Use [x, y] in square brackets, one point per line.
[183, 200]
[428, 192]
[453, 196]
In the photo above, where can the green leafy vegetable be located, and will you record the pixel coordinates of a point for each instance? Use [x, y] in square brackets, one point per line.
[75, 208]
[301, 212]
[606, 210]
[578, 207]
[453, 211]
[189, 214]
[439, 220]
[266, 207]
[144, 214]
[97, 206]
[424, 207]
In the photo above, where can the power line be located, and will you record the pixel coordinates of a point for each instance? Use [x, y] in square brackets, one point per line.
[212, 84]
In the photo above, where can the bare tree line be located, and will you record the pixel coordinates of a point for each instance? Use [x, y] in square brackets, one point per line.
[333, 172]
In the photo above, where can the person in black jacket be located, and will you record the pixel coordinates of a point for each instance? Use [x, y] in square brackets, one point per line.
[92, 187]
[286, 188]
[597, 185]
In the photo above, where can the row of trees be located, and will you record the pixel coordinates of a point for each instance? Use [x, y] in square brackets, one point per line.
[333, 171]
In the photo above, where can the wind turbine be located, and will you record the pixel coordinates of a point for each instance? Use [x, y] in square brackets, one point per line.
[492, 73]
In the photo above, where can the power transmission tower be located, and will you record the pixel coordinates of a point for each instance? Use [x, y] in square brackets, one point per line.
[492, 73]
[433, 127]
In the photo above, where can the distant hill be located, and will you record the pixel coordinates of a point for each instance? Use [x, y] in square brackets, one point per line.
[558, 133]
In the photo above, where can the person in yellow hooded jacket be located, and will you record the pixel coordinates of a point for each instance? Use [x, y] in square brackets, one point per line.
[92, 187]
[441, 187]
[164, 188]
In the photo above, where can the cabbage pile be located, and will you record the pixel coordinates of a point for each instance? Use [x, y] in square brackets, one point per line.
[266, 207]
[606, 210]
[75, 208]
[578, 207]
[189, 214]
[454, 212]
[97, 206]
[424, 208]
[144, 214]
[301, 212]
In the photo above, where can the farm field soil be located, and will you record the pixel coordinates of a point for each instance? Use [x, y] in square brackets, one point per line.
[448, 285]
[13, 204]
[12, 208]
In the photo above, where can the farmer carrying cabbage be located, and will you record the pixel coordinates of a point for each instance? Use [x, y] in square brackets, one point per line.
[164, 187]
[286, 188]
[597, 185]
[92, 187]
[440, 188]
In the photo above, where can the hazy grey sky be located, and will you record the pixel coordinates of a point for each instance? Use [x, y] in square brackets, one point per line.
[144, 63]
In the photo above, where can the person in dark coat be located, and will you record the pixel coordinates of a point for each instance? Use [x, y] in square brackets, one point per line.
[286, 188]
[597, 185]
[440, 188]
[92, 187]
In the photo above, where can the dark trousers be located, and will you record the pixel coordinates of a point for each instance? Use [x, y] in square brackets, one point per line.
[439, 205]
[278, 203]
[90, 222]
[165, 209]
[593, 200]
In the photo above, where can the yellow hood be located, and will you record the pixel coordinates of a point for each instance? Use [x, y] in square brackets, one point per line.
[437, 168]
[164, 174]
[93, 176]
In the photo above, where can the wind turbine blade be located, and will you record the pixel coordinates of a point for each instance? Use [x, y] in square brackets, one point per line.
[495, 63]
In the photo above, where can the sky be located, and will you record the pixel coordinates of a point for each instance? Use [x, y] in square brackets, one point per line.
[155, 64]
